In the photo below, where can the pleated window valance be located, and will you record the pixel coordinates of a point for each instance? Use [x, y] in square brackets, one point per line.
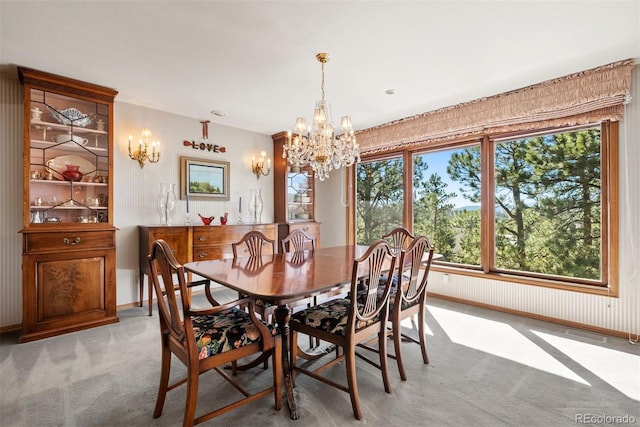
[585, 97]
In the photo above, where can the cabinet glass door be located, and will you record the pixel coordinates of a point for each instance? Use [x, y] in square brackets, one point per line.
[69, 159]
[300, 194]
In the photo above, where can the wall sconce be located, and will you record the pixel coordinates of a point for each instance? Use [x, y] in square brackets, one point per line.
[258, 167]
[145, 149]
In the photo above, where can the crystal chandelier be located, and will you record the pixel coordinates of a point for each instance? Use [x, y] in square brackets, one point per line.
[318, 145]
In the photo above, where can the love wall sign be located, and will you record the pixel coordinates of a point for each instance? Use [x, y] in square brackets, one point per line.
[204, 145]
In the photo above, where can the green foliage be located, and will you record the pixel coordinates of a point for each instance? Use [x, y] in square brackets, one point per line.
[432, 214]
[379, 198]
[466, 226]
[203, 187]
[547, 195]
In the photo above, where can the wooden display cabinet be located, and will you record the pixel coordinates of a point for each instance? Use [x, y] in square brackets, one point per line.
[68, 264]
[294, 194]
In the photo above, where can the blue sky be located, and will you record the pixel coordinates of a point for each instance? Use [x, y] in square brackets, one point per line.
[438, 161]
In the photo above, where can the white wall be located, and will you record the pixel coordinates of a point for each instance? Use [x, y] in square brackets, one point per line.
[11, 201]
[331, 208]
[135, 189]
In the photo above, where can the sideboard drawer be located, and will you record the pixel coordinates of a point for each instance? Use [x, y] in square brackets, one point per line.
[214, 235]
[211, 235]
[67, 241]
[311, 228]
[202, 253]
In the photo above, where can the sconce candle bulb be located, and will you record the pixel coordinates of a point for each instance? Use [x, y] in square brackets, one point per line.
[262, 166]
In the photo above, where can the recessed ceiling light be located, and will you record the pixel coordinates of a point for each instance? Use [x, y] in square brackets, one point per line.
[219, 113]
[390, 91]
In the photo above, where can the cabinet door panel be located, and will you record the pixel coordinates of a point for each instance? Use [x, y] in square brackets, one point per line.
[70, 286]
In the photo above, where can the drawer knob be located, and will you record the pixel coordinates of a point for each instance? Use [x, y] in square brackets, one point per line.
[202, 238]
[202, 254]
[71, 243]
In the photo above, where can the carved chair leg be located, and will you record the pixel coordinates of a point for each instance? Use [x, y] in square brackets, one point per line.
[192, 398]
[164, 380]
[397, 344]
[423, 337]
[382, 340]
[350, 358]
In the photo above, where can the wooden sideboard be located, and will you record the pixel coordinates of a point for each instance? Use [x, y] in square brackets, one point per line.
[193, 243]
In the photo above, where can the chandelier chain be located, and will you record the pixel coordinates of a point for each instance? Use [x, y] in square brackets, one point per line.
[322, 84]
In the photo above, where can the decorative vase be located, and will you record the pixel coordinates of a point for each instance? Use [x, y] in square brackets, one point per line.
[255, 205]
[72, 173]
[166, 203]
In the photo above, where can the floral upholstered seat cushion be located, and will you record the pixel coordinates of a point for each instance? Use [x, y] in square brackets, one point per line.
[227, 330]
[330, 316]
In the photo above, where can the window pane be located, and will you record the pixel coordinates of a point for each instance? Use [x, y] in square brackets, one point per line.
[379, 198]
[547, 204]
[446, 202]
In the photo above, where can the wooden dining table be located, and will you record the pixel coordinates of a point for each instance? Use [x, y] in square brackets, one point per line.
[283, 277]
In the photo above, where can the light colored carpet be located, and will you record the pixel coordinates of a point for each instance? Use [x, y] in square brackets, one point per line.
[487, 369]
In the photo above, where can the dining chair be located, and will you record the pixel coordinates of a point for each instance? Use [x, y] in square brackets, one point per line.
[345, 322]
[297, 241]
[254, 243]
[399, 238]
[190, 284]
[409, 296]
[206, 339]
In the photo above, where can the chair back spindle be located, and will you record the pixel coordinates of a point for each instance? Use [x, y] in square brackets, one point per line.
[416, 268]
[378, 262]
[255, 242]
[298, 240]
[399, 238]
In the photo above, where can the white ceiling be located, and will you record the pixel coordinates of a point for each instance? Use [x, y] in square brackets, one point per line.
[256, 59]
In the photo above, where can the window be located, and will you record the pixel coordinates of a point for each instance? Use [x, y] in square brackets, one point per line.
[446, 202]
[379, 187]
[547, 213]
[531, 208]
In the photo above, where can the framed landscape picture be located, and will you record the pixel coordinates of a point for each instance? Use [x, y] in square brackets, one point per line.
[204, 179]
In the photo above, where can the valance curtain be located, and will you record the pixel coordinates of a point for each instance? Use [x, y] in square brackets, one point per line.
[585, 97]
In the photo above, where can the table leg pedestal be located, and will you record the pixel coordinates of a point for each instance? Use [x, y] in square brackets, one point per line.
[282, 316]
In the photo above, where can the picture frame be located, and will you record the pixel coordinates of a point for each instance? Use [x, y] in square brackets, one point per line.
[204, 179]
